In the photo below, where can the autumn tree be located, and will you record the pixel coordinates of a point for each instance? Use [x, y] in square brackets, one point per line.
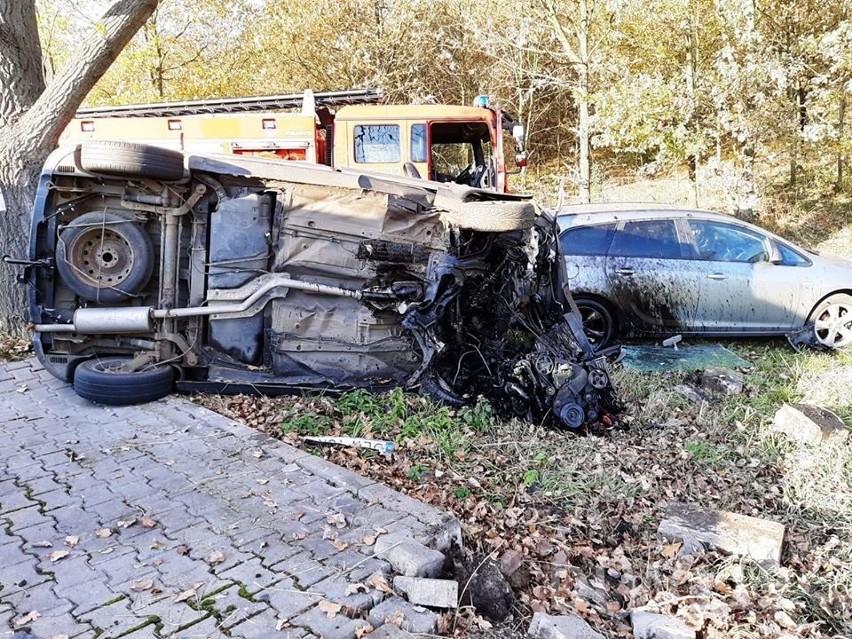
[33, 113]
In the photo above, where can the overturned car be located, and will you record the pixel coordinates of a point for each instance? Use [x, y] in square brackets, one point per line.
[150, 270]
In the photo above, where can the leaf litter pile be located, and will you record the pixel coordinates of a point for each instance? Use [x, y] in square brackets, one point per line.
[572, 520]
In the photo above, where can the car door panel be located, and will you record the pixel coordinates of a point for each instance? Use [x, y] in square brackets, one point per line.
[646, 271]
[742, 291]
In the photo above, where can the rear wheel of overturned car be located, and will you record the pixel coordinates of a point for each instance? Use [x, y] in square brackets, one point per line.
[104, 257]
[832, 320]
[598, 323]
[131, 159]
[105, 380]
[495, 216]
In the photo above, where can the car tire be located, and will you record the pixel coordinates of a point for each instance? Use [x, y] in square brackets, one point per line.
[104, 257]
[494, 216]
[598, 322]
[832, 320]
[100, 380]
[130, 159]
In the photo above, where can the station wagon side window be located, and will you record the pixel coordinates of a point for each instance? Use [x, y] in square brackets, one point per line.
[722, 242]
[377, 143]
[647, 238]
[587, 240]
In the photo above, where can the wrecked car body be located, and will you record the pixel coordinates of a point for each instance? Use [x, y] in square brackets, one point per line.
[149, 269]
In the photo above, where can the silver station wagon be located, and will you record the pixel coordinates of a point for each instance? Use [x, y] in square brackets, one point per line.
[662, 270]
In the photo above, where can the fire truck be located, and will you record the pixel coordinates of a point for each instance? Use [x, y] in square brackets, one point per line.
[445, 143]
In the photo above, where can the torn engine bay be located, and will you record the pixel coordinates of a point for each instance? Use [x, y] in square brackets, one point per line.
[150, 270]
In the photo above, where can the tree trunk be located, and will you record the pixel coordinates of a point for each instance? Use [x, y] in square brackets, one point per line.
[841, 125]
[33, 116]
[583, 126]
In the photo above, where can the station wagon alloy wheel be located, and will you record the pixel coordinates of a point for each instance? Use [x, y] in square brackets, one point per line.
[833, 322]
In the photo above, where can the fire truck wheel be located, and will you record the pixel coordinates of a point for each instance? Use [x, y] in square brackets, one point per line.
[492, 216]
[127, 158]
[104, 257]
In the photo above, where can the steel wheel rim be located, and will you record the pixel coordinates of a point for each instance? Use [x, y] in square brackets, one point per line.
[833, 326]
[101, 257]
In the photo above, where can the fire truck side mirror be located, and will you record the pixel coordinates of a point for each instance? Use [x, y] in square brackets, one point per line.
[521, 160]
[519, 135]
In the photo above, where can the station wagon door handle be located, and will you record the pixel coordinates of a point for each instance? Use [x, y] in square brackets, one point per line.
[717, 276]
[624, 271]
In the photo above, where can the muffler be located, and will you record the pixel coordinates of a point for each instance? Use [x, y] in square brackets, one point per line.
[89, 321]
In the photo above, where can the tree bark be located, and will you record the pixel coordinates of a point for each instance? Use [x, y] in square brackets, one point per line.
[841, 125]
[33, 116]
[583, 125]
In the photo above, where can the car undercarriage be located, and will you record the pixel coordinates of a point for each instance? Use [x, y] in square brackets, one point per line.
[149, 269]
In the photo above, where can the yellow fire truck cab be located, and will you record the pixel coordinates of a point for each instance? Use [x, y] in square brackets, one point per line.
[437, 142]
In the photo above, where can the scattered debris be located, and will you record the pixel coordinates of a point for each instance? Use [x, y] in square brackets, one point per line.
[56, 555]
[408, 557]
[804, 338]
[148, 522]
[696, 357]
[723, 381]
[28, 618]
[435, 593]
[72, 540]
[142, 585]
[673, 341]
[727, 532]
[483, 586]
[407, 616]
[216, 557]
[544, 626]
[379, 445]
[649, 625]
[103, 533]
[809, 424]
[691, 393]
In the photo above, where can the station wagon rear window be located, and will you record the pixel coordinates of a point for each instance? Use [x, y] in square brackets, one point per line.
[377, 143]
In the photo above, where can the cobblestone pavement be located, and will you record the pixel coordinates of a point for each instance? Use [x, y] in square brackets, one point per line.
[168, 520]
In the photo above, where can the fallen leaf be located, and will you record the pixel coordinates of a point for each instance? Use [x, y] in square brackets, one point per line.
[158, 561]
[369, 540]
[670, 550]
[352, 589]
[42, 544]
[72, 540]
[363, 630]
[330, 609]
[103, 533]
[142, 585]
[27, 618]
[125, 523]
[56, 555]
[298, 515]
[397, 619]
[340, 545]
[381, 584]
[157, 544]
[182, 550]
[216, 557]
[337, 519]
[484, 624]
[186, 594]
[148, 522]
[298, 536]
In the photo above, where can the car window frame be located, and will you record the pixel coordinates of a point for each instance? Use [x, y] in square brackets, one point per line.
[684, 249]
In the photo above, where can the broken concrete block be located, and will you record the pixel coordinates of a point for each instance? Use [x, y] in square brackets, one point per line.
[436, 593]
[409, 557]
[727, 532]
[809, 424]
[544, 626]
[591, 593]
[723, 381]
[399, 612]
[648, 625]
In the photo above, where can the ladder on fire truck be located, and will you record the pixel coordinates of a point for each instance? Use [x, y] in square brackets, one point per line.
[320, 99]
